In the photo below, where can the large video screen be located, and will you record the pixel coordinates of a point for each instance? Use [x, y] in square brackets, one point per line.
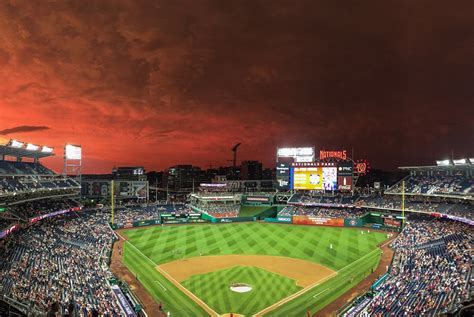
[309, 178]
[299, 154]
[314, 178]
[329, 178]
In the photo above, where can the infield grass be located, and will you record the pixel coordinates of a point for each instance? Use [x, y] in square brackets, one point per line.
[158, 245]
[214, 289]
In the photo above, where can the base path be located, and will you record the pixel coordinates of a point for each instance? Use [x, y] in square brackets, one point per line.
[303, 272]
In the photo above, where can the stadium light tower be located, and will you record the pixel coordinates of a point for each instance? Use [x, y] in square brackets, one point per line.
[73, 160]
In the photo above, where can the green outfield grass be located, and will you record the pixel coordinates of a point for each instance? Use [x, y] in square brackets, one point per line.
[158, 245]
[323, 294]
[160, 288]
[267, 288]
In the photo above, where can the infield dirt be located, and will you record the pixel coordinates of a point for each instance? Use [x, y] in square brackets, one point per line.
[303, 272]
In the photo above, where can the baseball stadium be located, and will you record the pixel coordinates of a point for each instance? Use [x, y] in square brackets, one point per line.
[308, 242]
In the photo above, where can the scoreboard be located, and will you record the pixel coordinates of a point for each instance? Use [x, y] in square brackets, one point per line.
[313, 176]
[321, 176]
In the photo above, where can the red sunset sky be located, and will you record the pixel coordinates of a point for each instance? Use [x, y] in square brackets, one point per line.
[157, 83]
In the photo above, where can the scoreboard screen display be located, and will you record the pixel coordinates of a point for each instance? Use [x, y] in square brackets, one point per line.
[314, 178]
[329, 178]
[309, 178]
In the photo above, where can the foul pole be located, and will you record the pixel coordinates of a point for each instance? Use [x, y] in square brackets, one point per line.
[112, 199]
[403, 203]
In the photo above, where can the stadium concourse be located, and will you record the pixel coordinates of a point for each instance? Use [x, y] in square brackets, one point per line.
[56, 253]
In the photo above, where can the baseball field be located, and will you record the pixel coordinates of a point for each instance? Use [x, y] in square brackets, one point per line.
[249, 268]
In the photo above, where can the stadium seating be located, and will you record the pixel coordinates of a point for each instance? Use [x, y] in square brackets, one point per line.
[439, 184]
[58, 259]
[147, 212]
[324, 199]
[26, 179]
[23, 168]
[459, 207]
[6, 223]
[36, 208]
[322, 212]
[431, 271]
[221, 210]
[24, 184]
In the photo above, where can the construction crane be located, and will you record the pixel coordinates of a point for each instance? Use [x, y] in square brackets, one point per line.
[234, 161]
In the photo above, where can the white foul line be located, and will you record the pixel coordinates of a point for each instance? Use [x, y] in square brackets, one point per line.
[320, 293]
[161, 285]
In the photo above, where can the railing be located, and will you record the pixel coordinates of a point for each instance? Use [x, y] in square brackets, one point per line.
[24, 309]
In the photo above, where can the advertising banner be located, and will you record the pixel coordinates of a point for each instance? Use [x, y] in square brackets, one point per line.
[124, 305]
[318, 221]
[392, 222]
[345, 168]
[257, 200]
[353, 222]
[287, 219]
[52, 214]
[283, 176]
[146, 223]
[4, 233]
[344, 183]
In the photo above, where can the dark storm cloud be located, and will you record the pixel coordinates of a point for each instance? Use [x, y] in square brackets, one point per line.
[390, 79]
[23, 129]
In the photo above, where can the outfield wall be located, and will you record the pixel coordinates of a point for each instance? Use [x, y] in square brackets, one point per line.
[227, 219]
[281, 219]
[369, 220]
[318, 221]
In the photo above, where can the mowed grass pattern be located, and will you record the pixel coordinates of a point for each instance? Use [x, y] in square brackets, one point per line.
[267, 288]
[325, 293]
[311, 243]
[158, 245]
[159, 287]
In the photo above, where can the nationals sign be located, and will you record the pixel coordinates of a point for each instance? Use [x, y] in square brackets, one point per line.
[342, 155]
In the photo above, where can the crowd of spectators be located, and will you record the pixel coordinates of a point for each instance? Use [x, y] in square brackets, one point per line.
[57, 260]
[7, 222]
[464, 209]
[24, 184]
[222, 210]
[23, 168]
[147, 212]
[440, 183]
[431, 270]
[349, 213]
[24, 177]
[35, 208]
[324, 199]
